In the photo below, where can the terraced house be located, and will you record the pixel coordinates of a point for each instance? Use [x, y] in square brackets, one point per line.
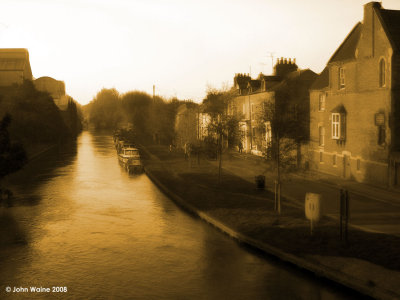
[355, 103]
[286, 91]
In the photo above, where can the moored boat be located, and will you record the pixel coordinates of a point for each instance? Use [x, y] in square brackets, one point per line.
[129, 158]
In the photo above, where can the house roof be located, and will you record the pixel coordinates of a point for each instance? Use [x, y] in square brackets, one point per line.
[298, 78]
[322, 80]
[305, 74]
[391, 23]
[347, 49]
[268, 78]
[254, 83]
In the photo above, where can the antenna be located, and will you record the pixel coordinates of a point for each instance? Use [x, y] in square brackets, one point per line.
[271, 55]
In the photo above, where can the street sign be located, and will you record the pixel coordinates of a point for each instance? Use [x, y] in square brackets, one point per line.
[313, 207]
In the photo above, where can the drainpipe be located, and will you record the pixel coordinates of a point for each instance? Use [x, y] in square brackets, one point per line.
[251, 130]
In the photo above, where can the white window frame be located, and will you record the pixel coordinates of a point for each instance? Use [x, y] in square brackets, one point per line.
[336, 126]
[342, 78]
[321, 102]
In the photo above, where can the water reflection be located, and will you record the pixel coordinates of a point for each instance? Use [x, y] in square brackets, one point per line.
[108, 235]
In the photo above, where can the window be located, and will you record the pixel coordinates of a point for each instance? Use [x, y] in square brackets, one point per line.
[341, 79]
[321, 103]
[382, 73]
[335, 126]
[321, 157]
[381, 135]
[334, 159]
[358, 164]
[321, 131]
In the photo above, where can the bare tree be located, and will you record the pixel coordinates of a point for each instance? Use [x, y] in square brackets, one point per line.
[283, 146]
[222, 126]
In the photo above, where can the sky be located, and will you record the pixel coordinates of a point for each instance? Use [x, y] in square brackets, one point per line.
[183, 47]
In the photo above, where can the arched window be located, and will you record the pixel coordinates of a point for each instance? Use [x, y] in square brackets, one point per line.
[382, 73]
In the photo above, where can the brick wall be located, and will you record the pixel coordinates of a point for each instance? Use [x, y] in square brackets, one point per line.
[359, 156]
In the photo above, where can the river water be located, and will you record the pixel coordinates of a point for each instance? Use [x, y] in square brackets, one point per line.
[104, 234]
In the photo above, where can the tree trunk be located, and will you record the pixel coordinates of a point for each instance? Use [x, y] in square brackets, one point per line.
[220, 159]
[278, 166]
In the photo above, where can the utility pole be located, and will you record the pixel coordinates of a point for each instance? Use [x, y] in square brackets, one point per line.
[250, 127]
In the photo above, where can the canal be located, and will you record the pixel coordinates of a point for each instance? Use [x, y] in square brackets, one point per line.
[103, 234]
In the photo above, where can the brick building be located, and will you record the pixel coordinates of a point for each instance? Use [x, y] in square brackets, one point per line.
[354, 103]
[286, 89]
[14, 66]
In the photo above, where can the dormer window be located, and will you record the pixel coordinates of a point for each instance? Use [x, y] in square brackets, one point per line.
[382, 73]
[341, 79]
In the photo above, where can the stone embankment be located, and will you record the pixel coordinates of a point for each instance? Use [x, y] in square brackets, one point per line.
[369, 263]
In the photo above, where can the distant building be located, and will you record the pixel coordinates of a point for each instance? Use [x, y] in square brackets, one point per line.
[55, 88]
[186, 124]
[14, 66]
[204, 120]
[355, 103]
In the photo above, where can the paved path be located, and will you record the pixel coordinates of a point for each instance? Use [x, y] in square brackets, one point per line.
[371, 208]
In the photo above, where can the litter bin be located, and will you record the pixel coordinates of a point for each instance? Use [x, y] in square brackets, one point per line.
[260, 182]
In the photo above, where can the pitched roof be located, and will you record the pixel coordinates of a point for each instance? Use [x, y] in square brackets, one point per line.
[391, 23]
[268, 78]
[300, 77]
[347, 49]
[322, 80]
[254, 83]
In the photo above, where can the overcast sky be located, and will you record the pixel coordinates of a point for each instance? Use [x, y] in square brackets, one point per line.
[180, 46]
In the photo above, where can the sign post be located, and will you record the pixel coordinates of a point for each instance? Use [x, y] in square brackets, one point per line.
[312, 208]
[344, 214]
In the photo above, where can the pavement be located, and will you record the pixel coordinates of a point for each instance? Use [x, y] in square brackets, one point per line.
[372, 208]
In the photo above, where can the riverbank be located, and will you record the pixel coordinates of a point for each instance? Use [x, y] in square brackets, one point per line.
[245, 213]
